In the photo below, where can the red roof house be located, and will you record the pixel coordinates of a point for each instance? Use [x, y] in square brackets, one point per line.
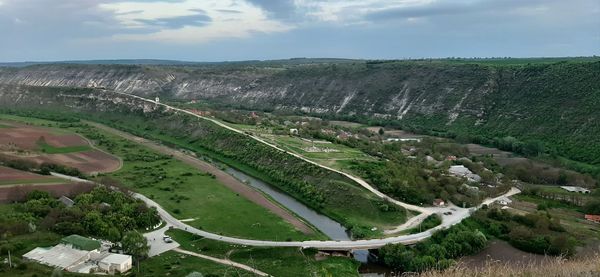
[593, 217]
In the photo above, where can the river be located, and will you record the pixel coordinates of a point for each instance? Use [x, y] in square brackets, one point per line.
[331, 228]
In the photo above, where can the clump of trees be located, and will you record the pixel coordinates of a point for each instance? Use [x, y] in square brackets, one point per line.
[101, 213]
[44, 168]
[535, 232]
[438, 252]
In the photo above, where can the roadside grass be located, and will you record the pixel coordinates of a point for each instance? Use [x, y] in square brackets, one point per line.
[49, 149]
[276, 261]
[176, 264]
[570, 216]
[2, 126]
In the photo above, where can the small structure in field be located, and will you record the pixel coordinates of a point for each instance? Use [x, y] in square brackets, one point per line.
[593, 217]
[439, 202]
[575, 189]
[157, 100]
[504, 201]
[66, 201]
[294, 131]
[403, 139]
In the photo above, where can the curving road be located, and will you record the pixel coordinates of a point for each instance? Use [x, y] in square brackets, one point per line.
[424, 211]
[458, 214]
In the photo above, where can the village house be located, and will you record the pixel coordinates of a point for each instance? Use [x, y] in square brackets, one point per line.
[575, 189]
[462, 171]
[439, 202]
[593, 217]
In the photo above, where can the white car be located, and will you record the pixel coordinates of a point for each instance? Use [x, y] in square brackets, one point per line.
[167, 239]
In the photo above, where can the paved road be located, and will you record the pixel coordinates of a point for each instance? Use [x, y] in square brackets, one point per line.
[156, 242]
[458, 214]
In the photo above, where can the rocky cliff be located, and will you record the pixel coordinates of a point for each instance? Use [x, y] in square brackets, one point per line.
[554, 102]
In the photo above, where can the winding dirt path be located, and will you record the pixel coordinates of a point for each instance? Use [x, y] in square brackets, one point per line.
[222, 261]
[224, 178]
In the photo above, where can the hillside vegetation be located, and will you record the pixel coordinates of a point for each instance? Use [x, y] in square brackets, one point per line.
[327, 192]
[530, 106]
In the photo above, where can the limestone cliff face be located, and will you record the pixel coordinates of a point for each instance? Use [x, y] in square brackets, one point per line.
[555, 102]
[389, 92]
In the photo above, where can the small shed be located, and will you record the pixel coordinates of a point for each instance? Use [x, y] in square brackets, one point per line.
[294, 131]
[439, 202]
[66, 201]
[113, 263]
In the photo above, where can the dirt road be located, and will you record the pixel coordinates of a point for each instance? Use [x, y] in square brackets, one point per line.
[224, 178]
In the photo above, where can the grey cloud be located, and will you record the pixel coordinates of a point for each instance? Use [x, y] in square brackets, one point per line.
[280, 9]
[178, 22]
[450, 8]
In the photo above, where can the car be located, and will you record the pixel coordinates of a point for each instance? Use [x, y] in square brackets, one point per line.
[167, 239]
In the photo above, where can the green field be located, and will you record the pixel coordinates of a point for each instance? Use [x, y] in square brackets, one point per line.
[185, 191]
[274, 261]
[49, 149]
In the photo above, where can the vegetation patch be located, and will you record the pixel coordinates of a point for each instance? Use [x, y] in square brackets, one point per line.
[49, 149]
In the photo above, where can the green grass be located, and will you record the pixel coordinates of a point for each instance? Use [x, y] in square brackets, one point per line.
[49, 149]
[275, 261]
[2, 126]
[187, 192]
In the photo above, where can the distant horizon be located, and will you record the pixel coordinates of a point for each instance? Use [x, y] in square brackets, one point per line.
[293, 58]
[237, 30]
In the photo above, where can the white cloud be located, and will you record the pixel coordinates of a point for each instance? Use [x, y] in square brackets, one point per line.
[348, 11]
[247, 20]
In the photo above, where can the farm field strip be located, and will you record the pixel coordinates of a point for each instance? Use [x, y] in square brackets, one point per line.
[44, 144]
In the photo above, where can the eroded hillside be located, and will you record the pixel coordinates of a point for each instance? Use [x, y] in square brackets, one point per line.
[552, 102]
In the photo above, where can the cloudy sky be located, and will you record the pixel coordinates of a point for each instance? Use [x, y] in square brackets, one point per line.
[217, 30]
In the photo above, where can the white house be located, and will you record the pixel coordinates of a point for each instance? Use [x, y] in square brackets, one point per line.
[503, 201]
[462, 171]
[293, 131]
[114, 263]
[576, 189]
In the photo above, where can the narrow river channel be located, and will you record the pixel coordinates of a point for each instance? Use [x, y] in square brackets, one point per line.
[331, 228]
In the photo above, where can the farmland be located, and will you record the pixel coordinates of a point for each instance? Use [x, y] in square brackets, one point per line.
[53, 145]
[186, 192]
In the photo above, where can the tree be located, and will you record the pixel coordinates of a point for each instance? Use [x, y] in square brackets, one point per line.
[135, 244]
[381, 131]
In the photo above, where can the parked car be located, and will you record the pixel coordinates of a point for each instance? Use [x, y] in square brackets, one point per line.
[167, 239]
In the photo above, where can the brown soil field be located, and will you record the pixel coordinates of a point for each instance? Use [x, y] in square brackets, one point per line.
[25, 137]
[7, 173]
[10, 194]
[501, 252]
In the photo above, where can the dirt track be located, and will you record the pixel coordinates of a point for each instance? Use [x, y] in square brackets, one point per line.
[224, 178]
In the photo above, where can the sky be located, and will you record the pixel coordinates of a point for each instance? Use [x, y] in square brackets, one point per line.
[228, 30]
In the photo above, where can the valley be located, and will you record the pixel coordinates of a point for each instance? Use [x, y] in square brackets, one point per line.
[241, 183]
